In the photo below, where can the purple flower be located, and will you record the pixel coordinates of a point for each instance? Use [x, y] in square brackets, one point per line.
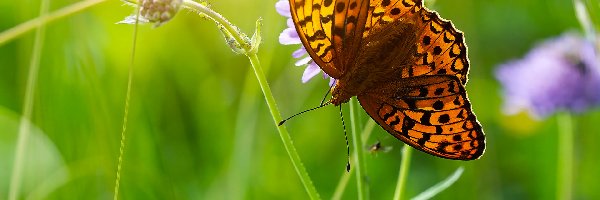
[289, 36]
[559, 74]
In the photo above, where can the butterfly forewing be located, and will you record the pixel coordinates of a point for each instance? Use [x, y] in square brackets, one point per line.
[330, 30]
[440, 47]
[349, 22]
[314, 24]
[382, 12]
[432, 115]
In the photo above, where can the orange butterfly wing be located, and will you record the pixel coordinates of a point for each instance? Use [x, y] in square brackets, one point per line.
[328, 30]
[382, 12]
[440, 49]
[430, 113]
[426, 106]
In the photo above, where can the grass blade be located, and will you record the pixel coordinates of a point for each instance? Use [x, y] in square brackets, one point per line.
[441, 186]
[25, 124]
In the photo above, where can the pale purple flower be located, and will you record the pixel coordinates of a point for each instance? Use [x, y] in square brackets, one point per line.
[289, 36]
[559, 74]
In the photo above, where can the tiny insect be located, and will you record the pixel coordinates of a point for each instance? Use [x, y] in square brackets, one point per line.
[377, 148]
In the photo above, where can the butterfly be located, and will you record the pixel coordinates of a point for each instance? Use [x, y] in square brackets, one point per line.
[406, 65]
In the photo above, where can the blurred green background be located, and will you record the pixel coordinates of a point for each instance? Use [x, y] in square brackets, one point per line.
[199, 127]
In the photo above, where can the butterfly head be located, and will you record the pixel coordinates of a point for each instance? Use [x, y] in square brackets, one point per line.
[339, 94]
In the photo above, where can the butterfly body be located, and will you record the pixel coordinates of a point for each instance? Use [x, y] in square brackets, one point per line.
[381, 60]
[406, 65]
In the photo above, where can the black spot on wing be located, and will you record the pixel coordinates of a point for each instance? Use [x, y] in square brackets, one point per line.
[425, 138]
[445, 118]
[438, 105]
[426, 40]
[340, 7]
[425, 119]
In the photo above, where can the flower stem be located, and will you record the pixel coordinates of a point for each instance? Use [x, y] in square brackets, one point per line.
[585, 21]
[46, 18]
[219, 19]
[285, 136]
[126, 112]
[339, 190]
[264, 86]
[406, 154]
[25, 123]
[358, 148]
[564, 181]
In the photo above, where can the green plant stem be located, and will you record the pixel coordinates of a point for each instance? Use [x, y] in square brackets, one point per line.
[285, 136]
[585, 21]
[25, 123]
[564, 182]
[126, 112]
[219, 19]
[404, 166]
[264, 86]
[45, 19]
[358, 148]
[339, 190]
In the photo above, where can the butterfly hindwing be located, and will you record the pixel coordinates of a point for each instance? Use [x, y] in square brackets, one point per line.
[431, 114]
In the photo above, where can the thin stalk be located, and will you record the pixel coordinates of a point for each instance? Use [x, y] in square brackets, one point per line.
[585, 21]
[25, 123]
[404, 166]
[358, 148]
[564, 182]
[285, 136]
[195, 6]
[341, 187]
[126, 112]
[45, 19]
[264, 86]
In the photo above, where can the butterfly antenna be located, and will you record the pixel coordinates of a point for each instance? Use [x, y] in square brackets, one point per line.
[320, 106]
[327, 93]
[346, 136]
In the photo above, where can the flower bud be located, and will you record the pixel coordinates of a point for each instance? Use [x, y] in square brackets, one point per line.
[159, 11]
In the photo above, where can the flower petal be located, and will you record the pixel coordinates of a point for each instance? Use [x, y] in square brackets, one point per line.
[290, 23]
[303, 61]
[299, 53]
[555, 75]
[331, 81]
[311, 71]
[326, 76]
[132, 18]
[283, 8]
[289, 36]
